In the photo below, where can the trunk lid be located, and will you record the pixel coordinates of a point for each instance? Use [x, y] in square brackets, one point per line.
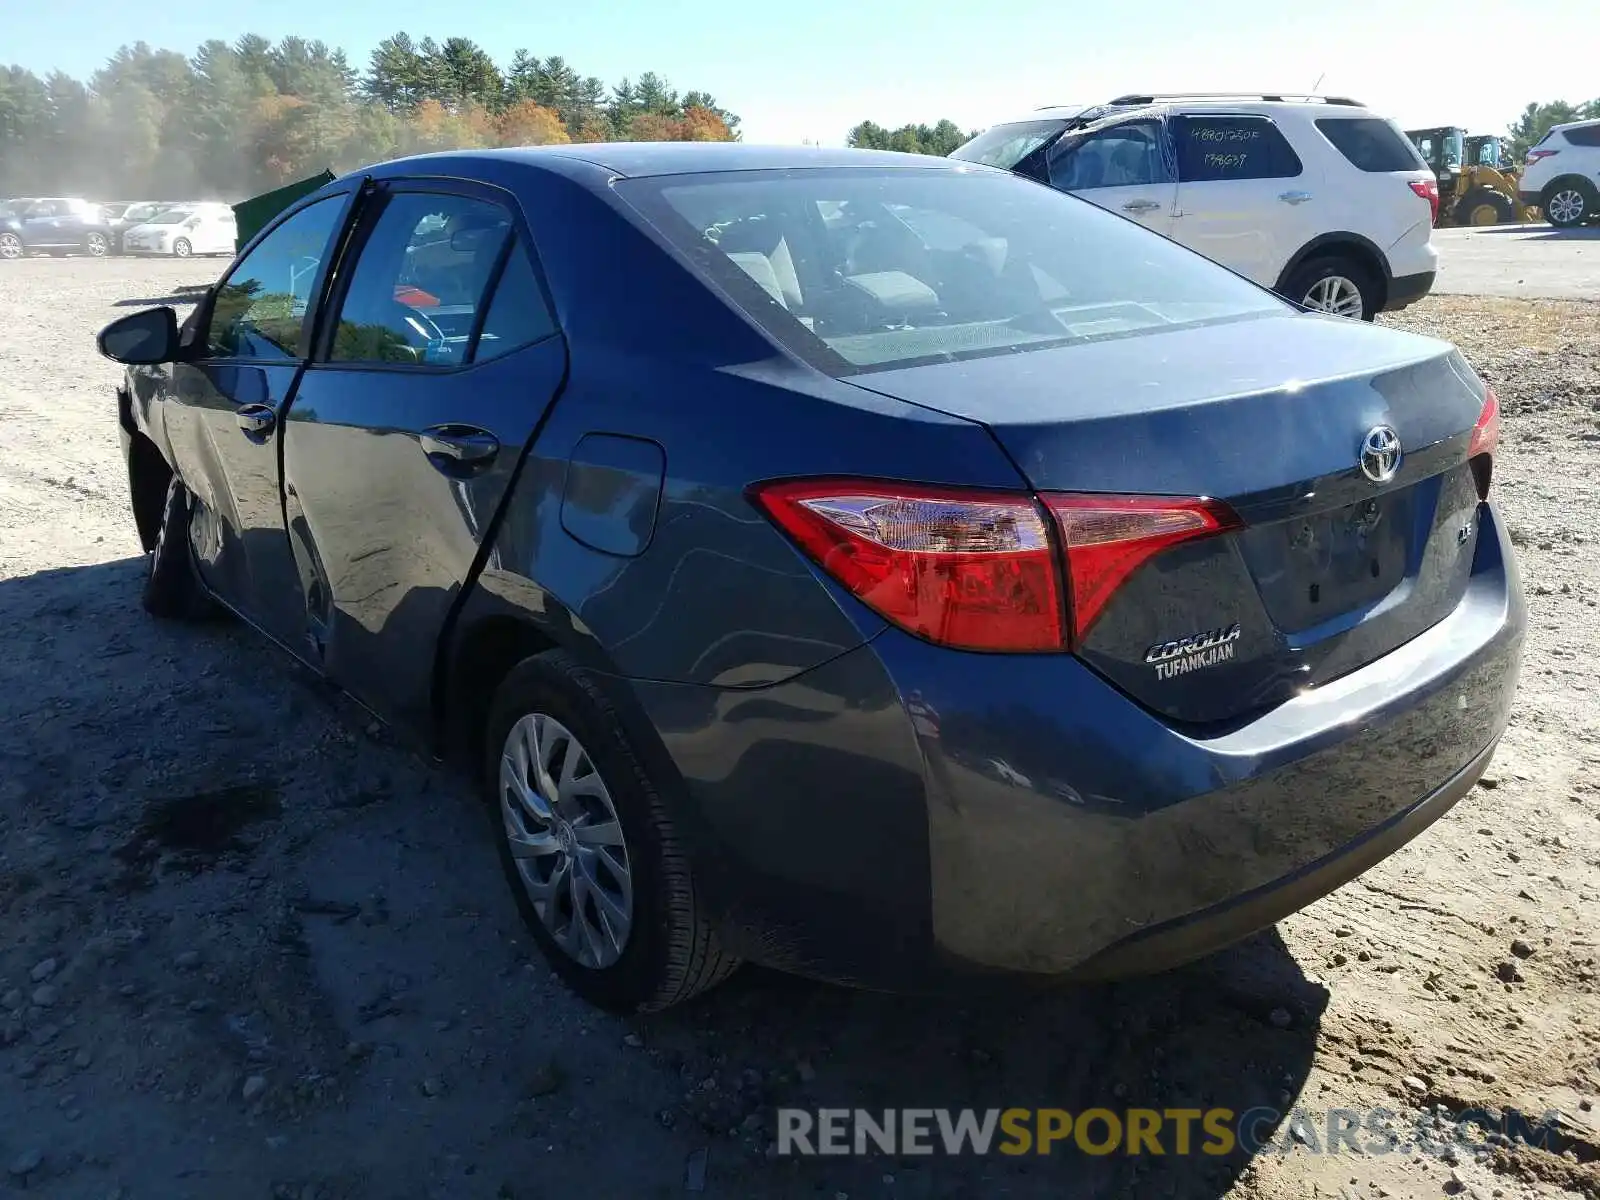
[1331, 570]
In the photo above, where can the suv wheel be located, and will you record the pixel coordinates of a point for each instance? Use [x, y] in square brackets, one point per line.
[1569, 202]
[10, 246]
[598, 871]
[1340, 286]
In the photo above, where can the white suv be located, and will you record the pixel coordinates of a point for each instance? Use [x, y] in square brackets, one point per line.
[1314, 197]
[1562, 174]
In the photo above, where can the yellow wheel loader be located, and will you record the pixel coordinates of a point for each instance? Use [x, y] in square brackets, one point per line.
[1477, 184]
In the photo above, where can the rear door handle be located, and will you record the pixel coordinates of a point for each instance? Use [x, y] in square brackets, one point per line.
[1294, 197]
[256, 419]
[458, 446]
[1139, 206]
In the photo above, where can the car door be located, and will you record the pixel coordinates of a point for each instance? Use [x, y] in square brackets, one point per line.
[436, 364]
[1125, 167]
[41, 225]
[1245, 199]
[232, 392]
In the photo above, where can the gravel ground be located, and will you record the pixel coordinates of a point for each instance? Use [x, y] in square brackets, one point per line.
[251, 949]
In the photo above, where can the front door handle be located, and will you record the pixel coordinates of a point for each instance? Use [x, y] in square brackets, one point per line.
[256, 419]
[458, 446]
[1294, 197]
[1139, 206]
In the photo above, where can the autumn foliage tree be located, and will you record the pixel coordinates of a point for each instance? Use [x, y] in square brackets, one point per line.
[237, 118]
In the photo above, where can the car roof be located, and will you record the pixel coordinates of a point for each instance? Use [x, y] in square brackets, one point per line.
[664, 158]
[1576, 124]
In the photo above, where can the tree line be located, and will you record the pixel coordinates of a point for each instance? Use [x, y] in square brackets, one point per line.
[1535, 121]
[235, 119]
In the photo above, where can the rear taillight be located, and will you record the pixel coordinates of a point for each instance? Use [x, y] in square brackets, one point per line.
[961, 568]
[1428, 189]
[977, 569]
[1485, 440]
[1107, 538]
[1535, 155]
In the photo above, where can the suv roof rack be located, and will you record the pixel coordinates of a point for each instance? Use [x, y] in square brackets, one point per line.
[1152, 97]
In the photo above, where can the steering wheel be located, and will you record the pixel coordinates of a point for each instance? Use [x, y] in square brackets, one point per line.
[416, 319]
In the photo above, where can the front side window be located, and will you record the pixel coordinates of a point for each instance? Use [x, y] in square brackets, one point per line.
[1214, 149]
[260, 308]
[865, 268]
[1127, 155]
[419, 280]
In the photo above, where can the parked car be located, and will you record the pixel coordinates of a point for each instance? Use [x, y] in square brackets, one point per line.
[1562, 174]
[881, 567]
[124, 217]
[1318, 198]
[184, 229]
[55, 225]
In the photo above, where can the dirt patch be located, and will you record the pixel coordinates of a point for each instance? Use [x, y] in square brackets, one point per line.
[319, 987]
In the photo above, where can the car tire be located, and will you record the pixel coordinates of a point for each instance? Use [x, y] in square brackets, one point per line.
[11, 247]
[96, 245]
[172, 590]
[1568, 203]
[1337, 285]
[181, 248]
[1482, 206]
[552, 709]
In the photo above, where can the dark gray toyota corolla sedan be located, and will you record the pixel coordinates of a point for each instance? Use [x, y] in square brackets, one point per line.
[884, 568]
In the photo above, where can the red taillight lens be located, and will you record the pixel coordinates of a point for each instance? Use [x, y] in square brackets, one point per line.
[1428, 189]
[969, 569]
[1107, 538]
[1485, 441]
[1535, 155]
[976, 569]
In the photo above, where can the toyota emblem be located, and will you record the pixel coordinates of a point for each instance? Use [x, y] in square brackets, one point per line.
[1380, 454]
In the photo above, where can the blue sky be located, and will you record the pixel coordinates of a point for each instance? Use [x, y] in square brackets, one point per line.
[811, 70]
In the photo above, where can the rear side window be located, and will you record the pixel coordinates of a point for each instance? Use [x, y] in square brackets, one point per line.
[420, 278]
[1212, 149]
[1371, 144]
[517, 314]
[1584, 135]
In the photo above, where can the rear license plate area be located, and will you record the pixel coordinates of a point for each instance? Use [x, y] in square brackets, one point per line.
[1344, 559]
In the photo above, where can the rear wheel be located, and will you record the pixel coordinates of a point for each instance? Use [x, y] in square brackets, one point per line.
[172, 591]
[1340, 286]
[10, 246]
[181, 248]
[1569, 202]
[594, 860]
[1484, 207]
[97, 244]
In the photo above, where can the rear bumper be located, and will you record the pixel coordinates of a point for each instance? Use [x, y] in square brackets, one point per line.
[1405, 290]
[905, 816]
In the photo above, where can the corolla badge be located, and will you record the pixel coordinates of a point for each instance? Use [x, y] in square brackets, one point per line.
[1380, 454]
[1193, 653]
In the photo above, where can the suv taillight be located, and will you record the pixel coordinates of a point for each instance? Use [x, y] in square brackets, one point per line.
[1485, 441]
[1428, 189]
[1535, 155]
[979, 570]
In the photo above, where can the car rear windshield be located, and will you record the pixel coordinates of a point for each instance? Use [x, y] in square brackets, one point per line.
[858, 269]
[1007, 145]
[1372, 144]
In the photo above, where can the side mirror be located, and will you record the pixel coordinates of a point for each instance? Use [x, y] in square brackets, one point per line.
[141, 339]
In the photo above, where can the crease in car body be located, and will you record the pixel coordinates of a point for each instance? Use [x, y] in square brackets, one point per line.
[728, 599]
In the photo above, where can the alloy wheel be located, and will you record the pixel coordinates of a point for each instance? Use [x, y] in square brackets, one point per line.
[181, 248]
[1565, 207]
[96, 244]
[1337, 295]
[10, 246]
[566, 841]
